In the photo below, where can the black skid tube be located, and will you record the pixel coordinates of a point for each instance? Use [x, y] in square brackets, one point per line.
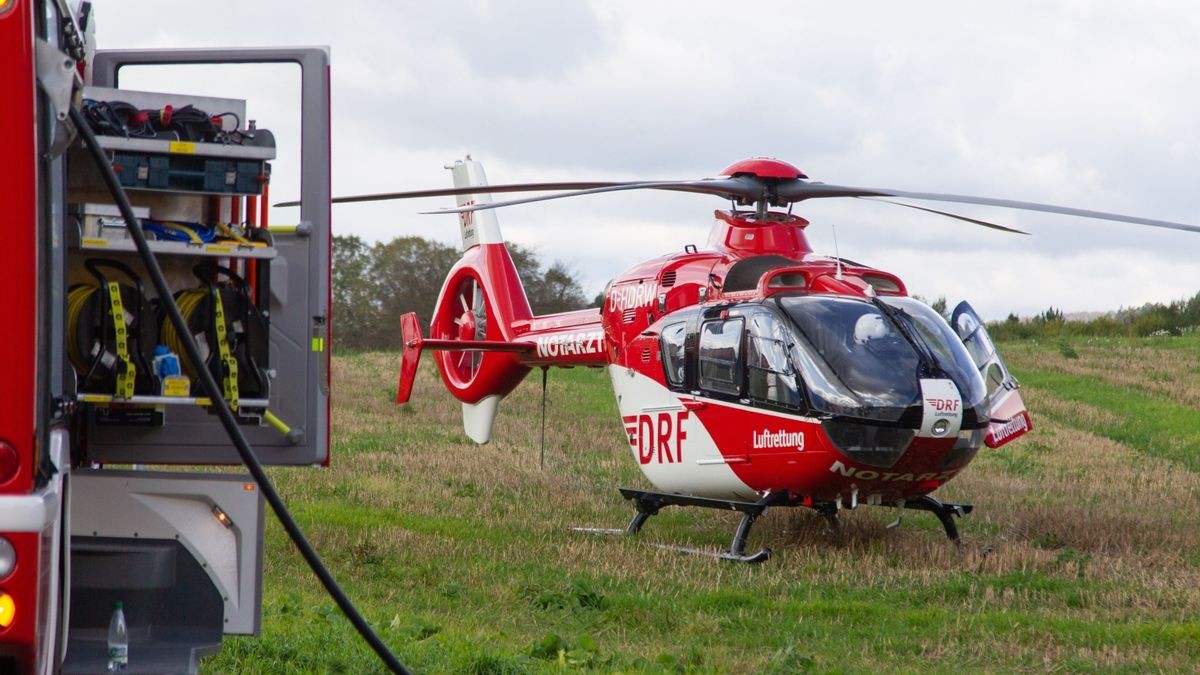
[946, 512]
[650, 503]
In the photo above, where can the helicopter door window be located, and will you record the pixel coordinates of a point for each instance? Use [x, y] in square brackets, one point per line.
[672, 353]
[770, 375]
[979, 345]
[994, 378]
[721, 356]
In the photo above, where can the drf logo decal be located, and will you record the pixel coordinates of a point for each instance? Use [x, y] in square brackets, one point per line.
[944, 405]
[657, 437]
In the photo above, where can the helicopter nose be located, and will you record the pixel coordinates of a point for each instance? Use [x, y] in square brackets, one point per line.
[867, 443]
[942, 415]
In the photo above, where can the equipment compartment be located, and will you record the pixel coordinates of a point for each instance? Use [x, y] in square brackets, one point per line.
[255, 296]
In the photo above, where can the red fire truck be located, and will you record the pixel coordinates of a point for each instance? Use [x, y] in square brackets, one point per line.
[101, 395]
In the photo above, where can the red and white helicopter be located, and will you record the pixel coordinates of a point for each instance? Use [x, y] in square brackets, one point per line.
[751, 373]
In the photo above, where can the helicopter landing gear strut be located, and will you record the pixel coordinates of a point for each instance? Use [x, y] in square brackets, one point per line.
[946, 512]
[829, 511]
[650, 503]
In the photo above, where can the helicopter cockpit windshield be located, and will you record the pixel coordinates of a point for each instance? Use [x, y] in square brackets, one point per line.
[949, 353]
[865, 359]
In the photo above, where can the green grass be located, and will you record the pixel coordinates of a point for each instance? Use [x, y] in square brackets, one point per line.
[1082, 553]
[1155, 426]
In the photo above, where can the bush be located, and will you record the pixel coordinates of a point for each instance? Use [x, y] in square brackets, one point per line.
[1152, 319]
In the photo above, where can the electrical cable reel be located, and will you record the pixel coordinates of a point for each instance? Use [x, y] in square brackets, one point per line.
[111, 331]
[229, 329]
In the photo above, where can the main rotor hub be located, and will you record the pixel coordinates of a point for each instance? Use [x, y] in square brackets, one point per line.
[764, 167]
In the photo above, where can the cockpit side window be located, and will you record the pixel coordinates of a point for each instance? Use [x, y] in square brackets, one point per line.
[672, 353]
[771, 377]
[721, 355]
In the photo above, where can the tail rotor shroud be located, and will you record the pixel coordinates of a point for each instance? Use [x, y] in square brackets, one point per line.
[473, 337]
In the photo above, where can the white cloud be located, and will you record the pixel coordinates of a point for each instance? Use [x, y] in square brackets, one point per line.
[1066, 102]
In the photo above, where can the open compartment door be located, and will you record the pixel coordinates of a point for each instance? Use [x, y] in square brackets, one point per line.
[1010, 419]
[291, 290]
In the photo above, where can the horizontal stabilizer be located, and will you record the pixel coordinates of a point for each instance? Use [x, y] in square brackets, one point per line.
[414, 344]
[477, 346]
[410, 355]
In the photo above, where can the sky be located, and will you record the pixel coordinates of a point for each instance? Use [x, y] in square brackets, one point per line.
[1069, 102]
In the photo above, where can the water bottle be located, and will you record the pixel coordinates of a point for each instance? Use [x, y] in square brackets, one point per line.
[118, 640]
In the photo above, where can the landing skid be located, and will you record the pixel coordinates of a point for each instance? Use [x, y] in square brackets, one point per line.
[650, 503]
[946, 512]
[753, 559]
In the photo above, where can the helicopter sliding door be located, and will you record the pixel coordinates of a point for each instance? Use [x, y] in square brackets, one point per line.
[770, 374]
[1009, 417]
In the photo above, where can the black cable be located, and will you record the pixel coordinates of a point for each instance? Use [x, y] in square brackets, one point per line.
[188, 122]
[133, 225]
[117, 118]
[237, 121]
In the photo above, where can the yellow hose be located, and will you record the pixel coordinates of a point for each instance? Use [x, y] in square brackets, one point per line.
[226, 230]
[188, 302]
[77, 299]
[187, 231]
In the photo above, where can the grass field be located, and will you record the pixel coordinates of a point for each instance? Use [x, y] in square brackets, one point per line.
[1083, 552]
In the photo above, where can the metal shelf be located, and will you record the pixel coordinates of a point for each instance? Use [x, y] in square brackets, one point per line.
[165, 147]
[203, 401]
[221, 249]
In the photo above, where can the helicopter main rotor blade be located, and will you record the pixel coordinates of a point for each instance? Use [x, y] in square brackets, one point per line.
[956, 216]
[729, 188]
[479, 189]
[798, 191]
[747, 189]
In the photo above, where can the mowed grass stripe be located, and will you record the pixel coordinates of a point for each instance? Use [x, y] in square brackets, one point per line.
[1156, 426]
[463, 558]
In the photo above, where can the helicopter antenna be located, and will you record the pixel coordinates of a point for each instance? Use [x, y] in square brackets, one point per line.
[836, 253]
[542, 453]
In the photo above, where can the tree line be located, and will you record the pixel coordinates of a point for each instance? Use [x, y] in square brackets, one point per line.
[373, 284]
[1181, 317]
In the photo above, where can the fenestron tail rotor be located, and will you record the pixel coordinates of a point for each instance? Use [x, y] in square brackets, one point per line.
[470, 325]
